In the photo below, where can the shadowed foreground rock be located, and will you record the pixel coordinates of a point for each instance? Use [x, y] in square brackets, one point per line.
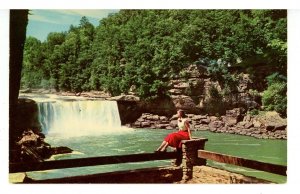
[32, 148]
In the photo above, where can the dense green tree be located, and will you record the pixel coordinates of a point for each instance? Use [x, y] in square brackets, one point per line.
[275, 96]
[32, 72]
[54, 57]
[148, 48]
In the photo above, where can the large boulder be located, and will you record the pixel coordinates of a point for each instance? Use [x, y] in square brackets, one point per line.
[185, 103]
[129, 112]
[174, 123]
[159, 106]
[145, 124]
[272, 121]
[31, 147]
[199, 117]
[248, 125]
[29, 138]
[233, 116]
[256, 124]
[205, 121]
[127, 98]
[215, 125]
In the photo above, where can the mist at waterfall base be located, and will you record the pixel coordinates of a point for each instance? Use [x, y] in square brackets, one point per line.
[93, 128]
[80, 118]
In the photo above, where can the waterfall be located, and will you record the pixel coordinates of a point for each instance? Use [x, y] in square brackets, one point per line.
[79, 118]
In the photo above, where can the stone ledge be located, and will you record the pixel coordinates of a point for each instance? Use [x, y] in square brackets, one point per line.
[211, 175]
[194, 140]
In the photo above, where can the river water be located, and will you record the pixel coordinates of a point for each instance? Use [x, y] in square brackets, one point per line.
[93, 128]
[147, 140]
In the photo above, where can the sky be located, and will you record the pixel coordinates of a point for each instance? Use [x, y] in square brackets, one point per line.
[43, 21]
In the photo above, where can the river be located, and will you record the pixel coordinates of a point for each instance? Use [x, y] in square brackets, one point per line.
[93, 128]
[147, 140]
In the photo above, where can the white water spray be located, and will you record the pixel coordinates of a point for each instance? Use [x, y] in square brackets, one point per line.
[80, 118]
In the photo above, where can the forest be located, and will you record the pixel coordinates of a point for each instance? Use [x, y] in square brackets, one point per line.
[148, 48]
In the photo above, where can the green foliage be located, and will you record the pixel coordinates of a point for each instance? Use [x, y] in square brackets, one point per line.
[267, 38]
[218, 71]
[275, 77]
[66, 60]
[216, 104]
[32, 63]
[275, 97]
[148, 48]
[253, 93]
[253, 112]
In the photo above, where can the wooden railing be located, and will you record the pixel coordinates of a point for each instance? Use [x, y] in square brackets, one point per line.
[257, 165]
[192, 154]
[93, 161]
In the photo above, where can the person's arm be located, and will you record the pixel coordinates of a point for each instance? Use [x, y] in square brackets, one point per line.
[187, 125]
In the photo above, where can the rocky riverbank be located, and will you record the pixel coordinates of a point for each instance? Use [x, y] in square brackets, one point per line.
[27, 142]
[31, 147]
[267, 125]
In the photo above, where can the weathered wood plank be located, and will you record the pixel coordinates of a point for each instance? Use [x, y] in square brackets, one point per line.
[93, 161]
[144, 175]
[272, 168]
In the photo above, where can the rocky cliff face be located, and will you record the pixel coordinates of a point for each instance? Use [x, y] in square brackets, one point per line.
[192, 94]
[26, 117]
[130, 110]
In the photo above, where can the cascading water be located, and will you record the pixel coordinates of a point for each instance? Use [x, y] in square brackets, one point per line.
[79, 118]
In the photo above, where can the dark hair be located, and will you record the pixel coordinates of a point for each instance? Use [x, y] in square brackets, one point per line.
[182, 113]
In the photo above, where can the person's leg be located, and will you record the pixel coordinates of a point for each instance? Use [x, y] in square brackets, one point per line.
[161, 146]
[164, 147]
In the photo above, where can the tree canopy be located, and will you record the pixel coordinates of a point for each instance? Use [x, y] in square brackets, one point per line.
[147, 48]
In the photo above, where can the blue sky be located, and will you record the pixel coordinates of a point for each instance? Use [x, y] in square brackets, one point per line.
[42, 22]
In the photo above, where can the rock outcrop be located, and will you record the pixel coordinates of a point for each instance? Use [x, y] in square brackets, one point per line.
[25, 117]
[26, 139]
[266, 126]
[31, 147]
[193, 94]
